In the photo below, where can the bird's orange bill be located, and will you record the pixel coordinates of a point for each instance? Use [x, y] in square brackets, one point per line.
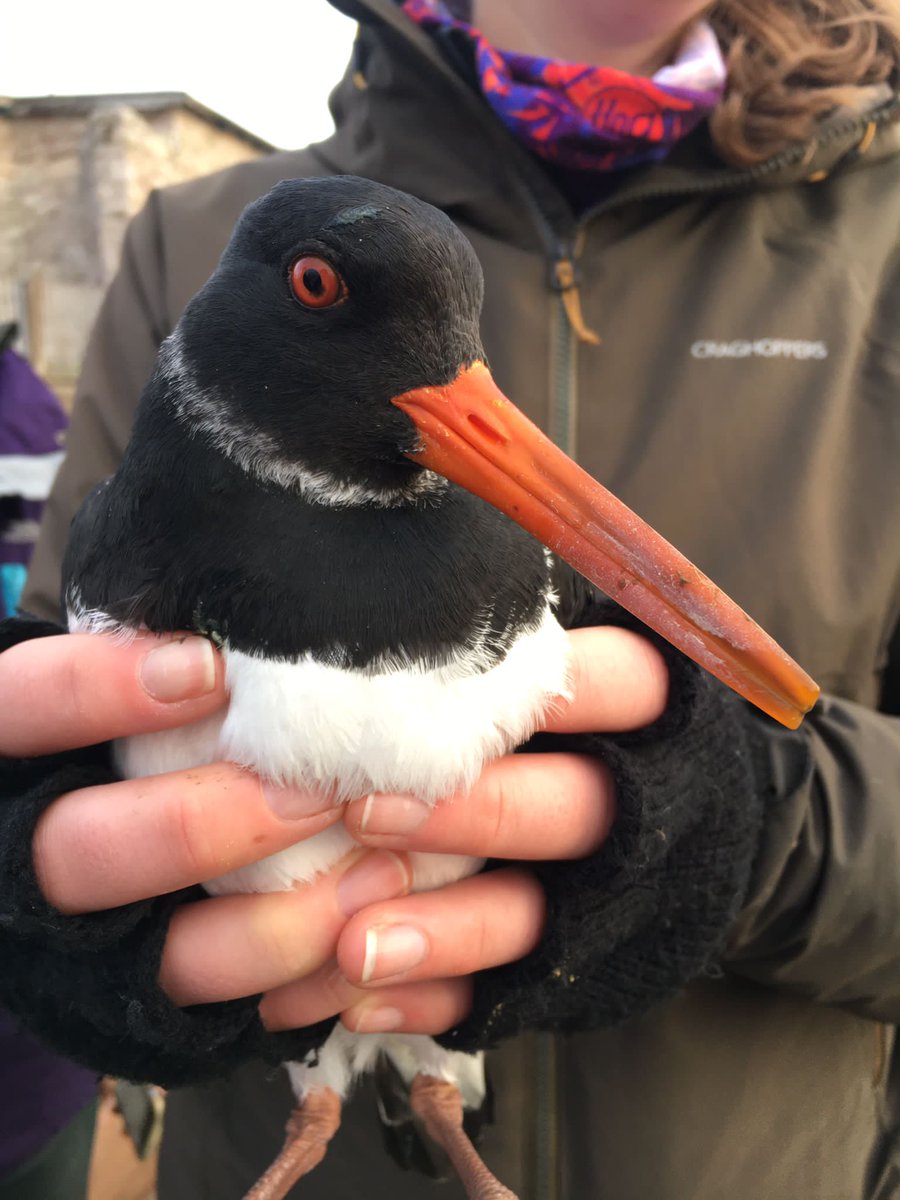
[472, 434]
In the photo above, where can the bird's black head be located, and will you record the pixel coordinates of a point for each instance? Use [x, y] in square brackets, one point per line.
[333, 297]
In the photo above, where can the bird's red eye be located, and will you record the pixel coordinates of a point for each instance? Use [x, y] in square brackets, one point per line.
[316, 283]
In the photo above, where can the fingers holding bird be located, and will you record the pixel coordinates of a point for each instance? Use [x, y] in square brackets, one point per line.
[537, 806]
[526, 806]
[78, 689]
[237, 945]
[541, 806]
[429, 1006]
[407, 964]
[300, 948]
[190, 826]
[619, 682]
[351, 942]
[467, 926]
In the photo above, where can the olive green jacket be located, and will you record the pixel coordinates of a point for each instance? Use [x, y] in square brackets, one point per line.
[744, 399]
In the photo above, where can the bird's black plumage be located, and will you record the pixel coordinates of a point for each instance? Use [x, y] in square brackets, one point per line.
[198, 544]
[185, 536]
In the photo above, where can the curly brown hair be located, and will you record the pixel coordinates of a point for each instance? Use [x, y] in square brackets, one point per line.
[793, 62]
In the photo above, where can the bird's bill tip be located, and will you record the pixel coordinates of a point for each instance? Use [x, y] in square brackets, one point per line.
[470, 433]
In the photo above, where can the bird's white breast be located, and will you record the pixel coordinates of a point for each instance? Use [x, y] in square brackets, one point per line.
[394, 727]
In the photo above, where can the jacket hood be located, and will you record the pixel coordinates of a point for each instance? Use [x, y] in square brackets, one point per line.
[439, 140]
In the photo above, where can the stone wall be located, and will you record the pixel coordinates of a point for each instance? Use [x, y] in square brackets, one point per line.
[69, 183]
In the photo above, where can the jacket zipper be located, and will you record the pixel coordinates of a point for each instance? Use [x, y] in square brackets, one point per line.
[563, 429]
[562, 424]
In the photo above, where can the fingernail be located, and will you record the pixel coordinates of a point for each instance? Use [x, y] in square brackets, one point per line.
[378, 876]
[393, 814]
[181, 670]
[392, 950]
[379, 1020]
[290, 804]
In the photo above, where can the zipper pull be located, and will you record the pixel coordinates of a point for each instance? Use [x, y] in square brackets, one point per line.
[565, 281]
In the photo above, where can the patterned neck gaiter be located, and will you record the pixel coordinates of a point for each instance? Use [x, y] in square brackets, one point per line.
[591, 118]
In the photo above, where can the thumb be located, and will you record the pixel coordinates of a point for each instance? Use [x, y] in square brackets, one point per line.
[60, 693]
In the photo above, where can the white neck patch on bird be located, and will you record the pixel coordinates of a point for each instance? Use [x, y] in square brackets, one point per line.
[257, 453]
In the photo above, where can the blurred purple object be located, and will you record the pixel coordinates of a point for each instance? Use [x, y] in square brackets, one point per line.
[32, 428]
[43, 1093]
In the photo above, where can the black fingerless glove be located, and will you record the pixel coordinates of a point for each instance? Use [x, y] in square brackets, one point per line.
[634, 923]
[87, 985]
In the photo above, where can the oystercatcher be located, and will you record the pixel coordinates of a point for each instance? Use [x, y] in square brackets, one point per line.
[317, 479]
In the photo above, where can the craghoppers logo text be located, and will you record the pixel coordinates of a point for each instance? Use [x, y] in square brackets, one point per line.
[760, 348]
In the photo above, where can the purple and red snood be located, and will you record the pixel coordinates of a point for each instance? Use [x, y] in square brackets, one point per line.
[585, 117]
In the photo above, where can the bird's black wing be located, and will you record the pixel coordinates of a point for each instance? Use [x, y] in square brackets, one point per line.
[81, 556]
[103, 570]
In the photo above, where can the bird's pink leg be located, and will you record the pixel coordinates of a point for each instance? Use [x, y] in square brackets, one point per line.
[310, 1128]
[439, 1105]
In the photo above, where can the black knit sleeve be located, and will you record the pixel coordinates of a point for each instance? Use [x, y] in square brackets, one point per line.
[631, 925]
[87, 985]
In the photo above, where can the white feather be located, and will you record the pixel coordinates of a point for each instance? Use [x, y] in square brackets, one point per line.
[90, 620]
[178, 749]
[427, 731]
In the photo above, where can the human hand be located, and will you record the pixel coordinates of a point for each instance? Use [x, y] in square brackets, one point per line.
[193, 825]
[538, 806]
[110, 845]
